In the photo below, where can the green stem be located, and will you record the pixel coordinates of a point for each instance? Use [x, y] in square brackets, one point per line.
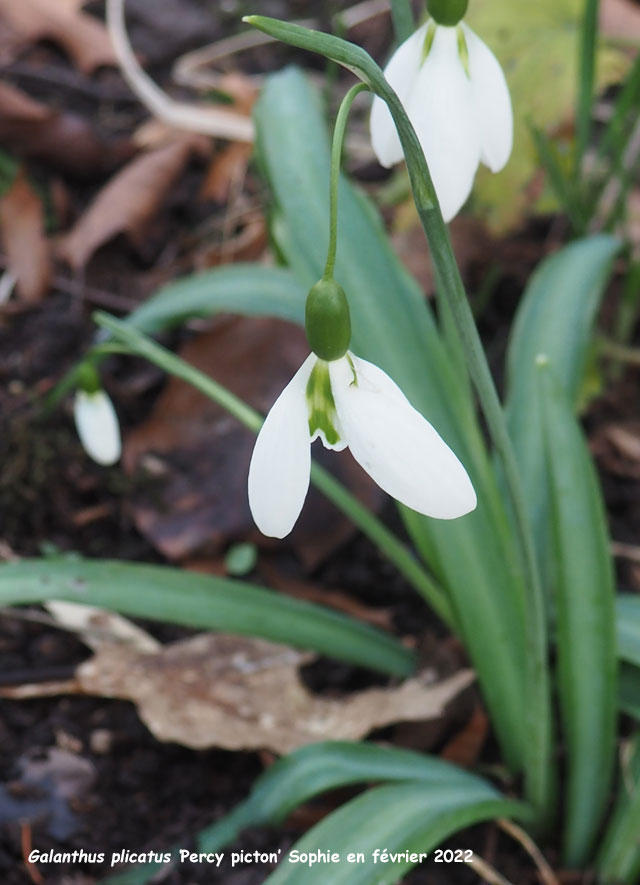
[586, 76]
[336, 159]
[537, 704]
[139, 344]
[402, 16]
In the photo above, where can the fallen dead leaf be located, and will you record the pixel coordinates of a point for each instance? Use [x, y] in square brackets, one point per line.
[245, 694]
[127, 203]
[617, 448]
[98, 627]
[60, 138]
[23, 239]
[82, 36]
[228, 169]
[465, 748]
[196, 456]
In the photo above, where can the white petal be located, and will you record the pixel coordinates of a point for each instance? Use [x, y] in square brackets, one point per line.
[441, 110]
[492, 104]
[401, 72]
[281, 460]
[97, 426]
[397, 447]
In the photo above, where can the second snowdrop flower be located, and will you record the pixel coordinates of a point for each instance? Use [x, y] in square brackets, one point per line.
[96, 420]
[455, 94]
[347, 401]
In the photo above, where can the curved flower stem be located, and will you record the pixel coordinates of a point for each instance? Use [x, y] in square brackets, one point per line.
[336, 157]
[539, 781]
[138, 344]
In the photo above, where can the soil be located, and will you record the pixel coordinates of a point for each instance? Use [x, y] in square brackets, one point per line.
[131, 791]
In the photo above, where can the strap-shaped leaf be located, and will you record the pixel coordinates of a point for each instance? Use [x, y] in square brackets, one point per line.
[555, 317]
[583, 594]
[312, 770]
[205, 602]
[251, 289]
[405, 819]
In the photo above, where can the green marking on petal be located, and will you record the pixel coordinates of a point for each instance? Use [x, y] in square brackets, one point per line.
[321, 404]
[463, 51]
[428, 41]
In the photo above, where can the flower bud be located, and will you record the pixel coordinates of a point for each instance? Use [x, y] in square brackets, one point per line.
[327, 320]
[447, 12]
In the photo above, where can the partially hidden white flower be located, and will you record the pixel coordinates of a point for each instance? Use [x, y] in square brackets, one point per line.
[97, 426]
[351, 402]
[456, 96]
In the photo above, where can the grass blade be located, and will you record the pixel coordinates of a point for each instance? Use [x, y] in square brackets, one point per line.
[584, 603]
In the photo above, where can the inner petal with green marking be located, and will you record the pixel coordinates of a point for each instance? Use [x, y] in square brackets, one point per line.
[323, 418]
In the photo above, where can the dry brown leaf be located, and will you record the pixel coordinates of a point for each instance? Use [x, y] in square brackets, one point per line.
[246, 694]
[620, 19]
[23, 239]
[198, 456]
[617, 447]
[63, 139]
[228, 169]
[465, 748]
[83, 37]
[98, 627]
[127, 203]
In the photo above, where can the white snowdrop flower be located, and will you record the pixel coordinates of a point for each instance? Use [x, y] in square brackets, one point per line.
[351, 402]
[455, 94]
[97, 426]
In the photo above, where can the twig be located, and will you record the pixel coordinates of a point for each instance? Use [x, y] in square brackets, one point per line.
[547, 876]
[486, 871]
[210, 121]
[25, 845]
[626, 551]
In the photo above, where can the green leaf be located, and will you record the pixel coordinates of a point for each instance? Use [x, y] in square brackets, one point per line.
[392, 326]
[309, 771]
[305, 773]
[584, 594]
[555, 317]
[251, 289]
[535, 43]
[628, 624]
[180, 597]
[409, 817]
[619, 858]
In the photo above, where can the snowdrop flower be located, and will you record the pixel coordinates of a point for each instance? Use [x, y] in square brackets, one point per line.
[455, 94]
[346, 401]
[96, 421]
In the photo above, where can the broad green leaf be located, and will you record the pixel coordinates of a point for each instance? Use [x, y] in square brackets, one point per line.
[392, 326]
[536, 43]
[555, 317]
[628, 624]
[180, 597]
[402, 818]
[619, 858]
[301, 775]
[309, 771]
[584, 606]
[252, 289]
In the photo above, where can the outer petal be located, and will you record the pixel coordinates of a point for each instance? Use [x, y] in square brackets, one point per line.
[97, 426]
[492, 104]
[397, 447]
[441, 110]
[281, 460]
[401, 72]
